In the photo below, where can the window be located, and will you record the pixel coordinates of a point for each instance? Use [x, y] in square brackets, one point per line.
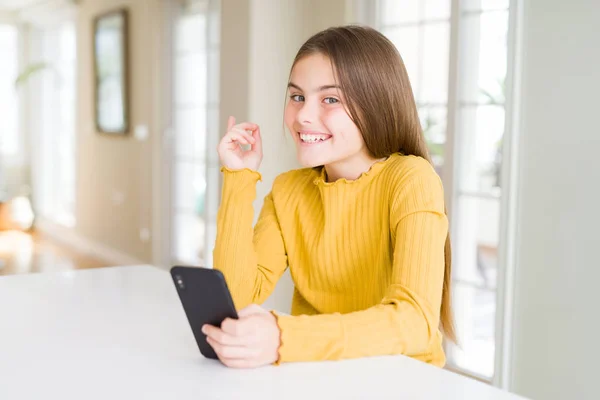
[474, 103]
[421, 32]
[12, 170]
[195, 166]
[55, 134]
[9, 123]
[482, 63]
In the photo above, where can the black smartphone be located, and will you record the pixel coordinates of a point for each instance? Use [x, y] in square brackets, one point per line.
[206, 300]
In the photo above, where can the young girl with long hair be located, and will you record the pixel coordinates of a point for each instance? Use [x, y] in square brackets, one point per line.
[362, 225]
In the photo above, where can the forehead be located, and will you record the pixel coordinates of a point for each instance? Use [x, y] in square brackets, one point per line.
[313, 71]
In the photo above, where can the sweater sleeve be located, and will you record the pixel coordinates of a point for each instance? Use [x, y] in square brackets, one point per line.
[406, 320]
[252, 259]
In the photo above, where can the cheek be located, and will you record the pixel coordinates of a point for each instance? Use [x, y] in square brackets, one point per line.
[341, 126]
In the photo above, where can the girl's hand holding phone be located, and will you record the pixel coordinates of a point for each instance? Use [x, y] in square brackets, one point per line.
[251, 341]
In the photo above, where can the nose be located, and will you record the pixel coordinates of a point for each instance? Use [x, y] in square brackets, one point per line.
[308, 112]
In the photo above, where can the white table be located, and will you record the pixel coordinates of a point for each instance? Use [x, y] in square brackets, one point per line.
[120, 333]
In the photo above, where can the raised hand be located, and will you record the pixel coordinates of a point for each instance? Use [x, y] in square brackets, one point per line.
[230, 149]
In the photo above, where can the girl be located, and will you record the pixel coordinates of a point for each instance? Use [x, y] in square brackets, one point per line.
[362, 226]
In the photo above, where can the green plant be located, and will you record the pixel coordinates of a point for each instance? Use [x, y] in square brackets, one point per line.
[29, 71]
[498, 99]
[435, 148]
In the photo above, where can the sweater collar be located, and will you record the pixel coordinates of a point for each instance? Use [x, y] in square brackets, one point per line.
[321, 178]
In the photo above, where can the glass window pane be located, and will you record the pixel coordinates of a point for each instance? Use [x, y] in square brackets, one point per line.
[397, 12]
[190, 187]
[476, 241]
[407, 42]
[434, 76]
[9, 135]
[433, 122]
[66, 131]
[190, 33]
[56, 186]
[475, 313]
[190, 80]
[484, 57]
[481, 129]
[477, 5]
[184, 175]
[189, 238]
[190, 136]
[437, 9]
[195, 101]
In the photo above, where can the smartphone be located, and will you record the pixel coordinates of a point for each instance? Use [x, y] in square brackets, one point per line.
[206, 300]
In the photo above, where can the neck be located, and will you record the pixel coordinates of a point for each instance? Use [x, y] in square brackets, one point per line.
[350, 169]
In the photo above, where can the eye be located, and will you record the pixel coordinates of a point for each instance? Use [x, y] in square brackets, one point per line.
[331, 100]
[297, 97]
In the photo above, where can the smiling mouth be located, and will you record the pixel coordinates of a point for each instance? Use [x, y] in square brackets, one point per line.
[311, 138]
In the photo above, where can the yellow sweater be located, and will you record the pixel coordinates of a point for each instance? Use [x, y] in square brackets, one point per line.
[366, 257]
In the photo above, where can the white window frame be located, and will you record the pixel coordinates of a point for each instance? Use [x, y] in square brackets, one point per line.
[40, 19]
[164, 253]
[21, 156]
[29, 20]
[365, 12]
[509, 206]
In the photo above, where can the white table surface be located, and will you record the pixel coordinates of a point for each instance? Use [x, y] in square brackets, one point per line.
[120, 333]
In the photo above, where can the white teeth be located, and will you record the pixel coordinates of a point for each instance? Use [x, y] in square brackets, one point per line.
[312, 138]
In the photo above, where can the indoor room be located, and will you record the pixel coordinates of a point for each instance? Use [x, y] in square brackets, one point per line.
[140, 135]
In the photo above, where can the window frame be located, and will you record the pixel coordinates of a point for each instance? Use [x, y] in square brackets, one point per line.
[20, 157]
[167, 253]
[38, 32]
[32, 21]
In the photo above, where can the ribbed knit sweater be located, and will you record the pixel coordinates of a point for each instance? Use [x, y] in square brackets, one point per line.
[366, 257]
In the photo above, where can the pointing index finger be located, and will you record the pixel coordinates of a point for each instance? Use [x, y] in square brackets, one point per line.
[230, 122]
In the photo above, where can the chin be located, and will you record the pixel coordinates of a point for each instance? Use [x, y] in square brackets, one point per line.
[311, 161]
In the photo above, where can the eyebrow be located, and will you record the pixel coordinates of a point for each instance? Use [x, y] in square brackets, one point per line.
[320, 89]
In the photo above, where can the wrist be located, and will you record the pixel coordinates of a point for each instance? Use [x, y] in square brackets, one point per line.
[239, 175]
[277, 355]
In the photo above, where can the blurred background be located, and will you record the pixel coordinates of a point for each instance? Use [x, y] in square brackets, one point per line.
[111, 110]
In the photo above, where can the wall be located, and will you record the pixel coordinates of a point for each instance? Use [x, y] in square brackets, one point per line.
[114, 190]
[555, 353]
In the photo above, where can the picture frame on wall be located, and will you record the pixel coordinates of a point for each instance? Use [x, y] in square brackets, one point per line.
[111, 66]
